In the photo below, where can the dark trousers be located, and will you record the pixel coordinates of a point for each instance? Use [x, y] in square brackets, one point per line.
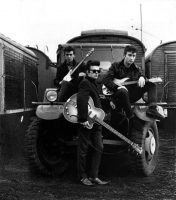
[124, 98]
[89, 138]
[67, 90]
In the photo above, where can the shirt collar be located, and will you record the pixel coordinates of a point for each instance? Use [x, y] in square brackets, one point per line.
[133, 65]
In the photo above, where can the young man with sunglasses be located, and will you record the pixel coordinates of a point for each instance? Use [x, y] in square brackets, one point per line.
[67, 88]
[123, 96]
[89, 137]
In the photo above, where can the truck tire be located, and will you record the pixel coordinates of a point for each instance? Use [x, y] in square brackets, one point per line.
[145, 134]
[43, 150]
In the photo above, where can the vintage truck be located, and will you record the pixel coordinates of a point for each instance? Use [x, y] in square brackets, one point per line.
[50, 137]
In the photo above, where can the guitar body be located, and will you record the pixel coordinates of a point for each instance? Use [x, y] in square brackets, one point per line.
[68, 77]
[120, 82]
[70, 111]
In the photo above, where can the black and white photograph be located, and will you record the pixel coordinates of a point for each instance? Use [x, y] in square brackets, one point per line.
[87, 100]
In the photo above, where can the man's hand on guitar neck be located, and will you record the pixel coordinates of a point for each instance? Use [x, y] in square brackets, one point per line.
[141, 82]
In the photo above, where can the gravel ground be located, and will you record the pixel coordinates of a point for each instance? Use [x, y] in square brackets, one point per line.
[17, 183]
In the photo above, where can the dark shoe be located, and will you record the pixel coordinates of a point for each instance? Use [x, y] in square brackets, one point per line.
[86, 181]
[98, 181]
[153, 113]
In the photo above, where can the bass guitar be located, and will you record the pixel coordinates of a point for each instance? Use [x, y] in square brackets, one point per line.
[123, 82]
[70, 73]
[96, 115]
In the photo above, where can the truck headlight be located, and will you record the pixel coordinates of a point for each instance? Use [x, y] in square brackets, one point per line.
[51, 95]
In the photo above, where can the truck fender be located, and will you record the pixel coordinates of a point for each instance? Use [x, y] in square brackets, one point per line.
[49, 112]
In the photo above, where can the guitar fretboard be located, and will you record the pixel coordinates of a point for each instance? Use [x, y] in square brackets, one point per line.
[87, 55]
[135, 146]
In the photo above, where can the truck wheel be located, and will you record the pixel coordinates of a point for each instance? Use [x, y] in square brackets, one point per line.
[43, 150]
[145, 134]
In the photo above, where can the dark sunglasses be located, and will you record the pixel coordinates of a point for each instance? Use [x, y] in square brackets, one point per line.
[95, 70]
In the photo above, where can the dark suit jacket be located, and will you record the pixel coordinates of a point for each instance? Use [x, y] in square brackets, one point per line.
[119, 71]
[87, 87]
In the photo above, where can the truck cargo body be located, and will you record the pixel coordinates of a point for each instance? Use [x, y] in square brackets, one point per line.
[18, 82]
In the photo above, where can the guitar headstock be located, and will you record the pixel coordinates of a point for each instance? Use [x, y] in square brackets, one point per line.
[137, 148]
[90, 52]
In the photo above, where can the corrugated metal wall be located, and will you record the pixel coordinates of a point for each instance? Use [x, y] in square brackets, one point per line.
[170, 78]
[20, 72]
[18, 68]
[162, 63]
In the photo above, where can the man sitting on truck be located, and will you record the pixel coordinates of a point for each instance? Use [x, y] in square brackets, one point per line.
[123, 96]
[67, 88]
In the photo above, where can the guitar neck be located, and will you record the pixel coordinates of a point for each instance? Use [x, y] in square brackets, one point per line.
[129, 82]
[133, 145]
[107, 126]
[133, 82]
[87, 55]
[76, 67]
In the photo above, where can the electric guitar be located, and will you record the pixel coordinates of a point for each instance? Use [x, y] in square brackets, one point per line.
[70, 73]
[96, 115]
[123, 82]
